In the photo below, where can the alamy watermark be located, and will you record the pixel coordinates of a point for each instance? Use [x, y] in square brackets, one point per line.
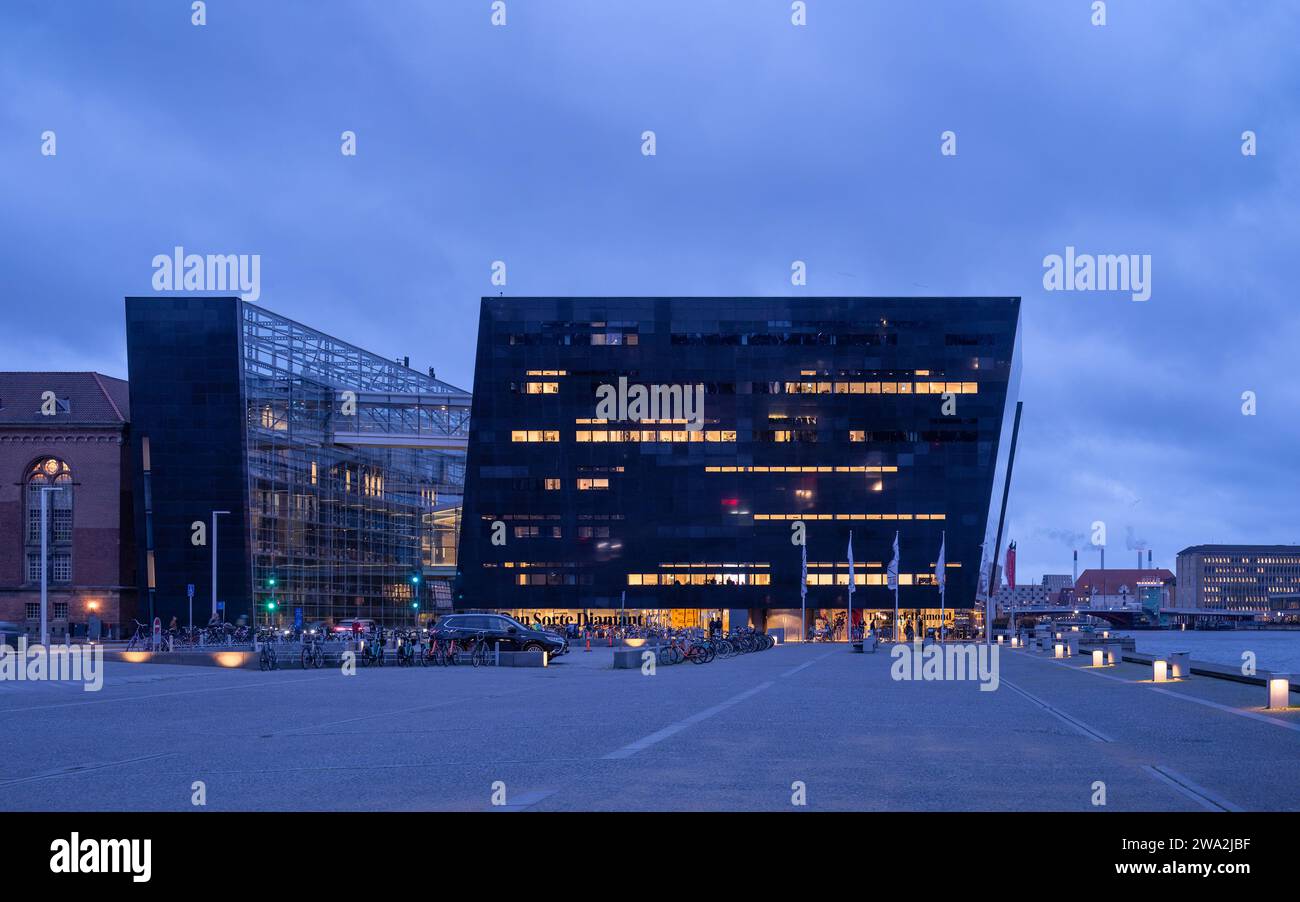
[651, 402]
[57, 663]
[1098, 272]
[213, 272]
[952, 661]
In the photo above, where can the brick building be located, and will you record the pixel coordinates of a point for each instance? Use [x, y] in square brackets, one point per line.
[65, 431]
[1150, 587]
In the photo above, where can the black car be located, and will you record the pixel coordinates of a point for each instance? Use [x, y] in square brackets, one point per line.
[512, 634]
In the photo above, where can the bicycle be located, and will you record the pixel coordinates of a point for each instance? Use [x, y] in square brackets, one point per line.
[445, 652]
[142, 638]
[372, 652]
[312, 654]
[267, 660]
[405, 649]
[479, 651]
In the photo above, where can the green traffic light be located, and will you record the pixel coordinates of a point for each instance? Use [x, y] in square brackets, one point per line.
[416, 605]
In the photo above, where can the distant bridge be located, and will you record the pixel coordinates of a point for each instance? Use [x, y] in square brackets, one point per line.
[1123, 617]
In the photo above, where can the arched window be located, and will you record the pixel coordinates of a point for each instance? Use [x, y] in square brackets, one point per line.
[46, 473]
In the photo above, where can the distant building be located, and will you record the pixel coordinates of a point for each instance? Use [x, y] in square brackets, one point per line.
[1150, 588]
[1259, 578]
[820, 412]
[67, 432]
[1054, 583]
[1020, 596]
[318, 510]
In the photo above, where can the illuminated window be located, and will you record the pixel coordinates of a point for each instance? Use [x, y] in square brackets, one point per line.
[552, 485]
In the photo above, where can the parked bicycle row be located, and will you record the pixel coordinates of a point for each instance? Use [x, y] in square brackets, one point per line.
[694, 646]
[456, 639]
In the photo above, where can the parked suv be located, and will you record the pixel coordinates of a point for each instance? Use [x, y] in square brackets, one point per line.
[512, 634]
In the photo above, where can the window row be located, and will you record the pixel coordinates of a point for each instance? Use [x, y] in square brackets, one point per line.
[850, 516]
[656, 435]
[699, 579]
[881, 388]
[819, 469]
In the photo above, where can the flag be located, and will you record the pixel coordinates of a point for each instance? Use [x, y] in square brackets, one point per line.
[941, 567]
[893, 565]
[851, 580]
[803, 571]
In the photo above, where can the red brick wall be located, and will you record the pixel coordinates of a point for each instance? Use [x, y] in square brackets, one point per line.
[96, 458]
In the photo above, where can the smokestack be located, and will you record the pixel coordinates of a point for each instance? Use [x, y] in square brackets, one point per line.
[1076, 566]
[1139, 558]
[1149, 564]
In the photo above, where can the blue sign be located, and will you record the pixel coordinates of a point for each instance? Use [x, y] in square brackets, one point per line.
[221, 605]
[297, 617]
[189, 590]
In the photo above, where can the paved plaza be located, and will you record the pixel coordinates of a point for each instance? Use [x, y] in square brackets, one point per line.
[733, 734]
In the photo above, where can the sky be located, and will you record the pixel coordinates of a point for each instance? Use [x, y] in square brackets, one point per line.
[775, 142]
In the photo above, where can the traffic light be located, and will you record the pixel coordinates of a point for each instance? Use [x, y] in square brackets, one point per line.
[415, 605]
[270, 604]
[415, 579]
[271, 581]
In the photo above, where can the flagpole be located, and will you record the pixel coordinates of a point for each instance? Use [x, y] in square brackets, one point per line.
[849, 625]
[942, 563]
[803, 592]
[895, 578]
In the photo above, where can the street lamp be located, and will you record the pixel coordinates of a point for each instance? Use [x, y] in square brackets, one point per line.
[215, 514]
[45, 561]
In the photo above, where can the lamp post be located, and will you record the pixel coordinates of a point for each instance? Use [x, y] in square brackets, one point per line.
[215, 514]
[45, 561]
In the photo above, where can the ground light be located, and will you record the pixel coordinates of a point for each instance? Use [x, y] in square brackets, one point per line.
[1098, 658]
[1279, 691]
[1059, 650]
[1160, 671]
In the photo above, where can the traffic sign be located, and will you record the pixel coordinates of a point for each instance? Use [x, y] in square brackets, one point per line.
[189, 590]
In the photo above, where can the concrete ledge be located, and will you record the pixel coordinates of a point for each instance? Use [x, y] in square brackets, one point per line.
[523, 659]
[233, 659]
[630, 658]
[1205, 668]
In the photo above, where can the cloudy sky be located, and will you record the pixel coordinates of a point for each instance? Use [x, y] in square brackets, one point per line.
[775, 143]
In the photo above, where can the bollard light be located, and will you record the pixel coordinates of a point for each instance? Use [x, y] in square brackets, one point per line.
[1074, 629]
[1159, 671]
[1098, 658]
[1105, 634]
[1015, 642]
[1000, 640]
[1279, 691]
[1060, 650]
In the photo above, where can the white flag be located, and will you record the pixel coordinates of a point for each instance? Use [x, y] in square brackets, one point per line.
[893, 565]
[851, 580]
[941, 567]
[803, 571]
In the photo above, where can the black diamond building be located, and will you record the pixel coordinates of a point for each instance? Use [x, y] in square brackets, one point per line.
[824, 416]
